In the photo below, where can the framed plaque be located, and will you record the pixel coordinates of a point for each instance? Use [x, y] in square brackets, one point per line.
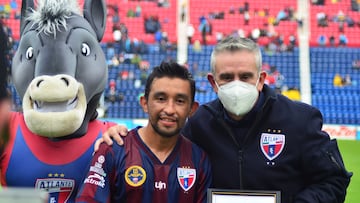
[242, 196]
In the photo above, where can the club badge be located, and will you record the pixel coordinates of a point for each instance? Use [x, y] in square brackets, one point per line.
[135, 176]
[272, 145]
[186, 178]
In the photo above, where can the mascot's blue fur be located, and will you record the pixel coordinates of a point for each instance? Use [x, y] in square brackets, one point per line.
[60, 72]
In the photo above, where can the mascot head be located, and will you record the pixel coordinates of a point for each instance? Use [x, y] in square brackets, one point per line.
[59, 69]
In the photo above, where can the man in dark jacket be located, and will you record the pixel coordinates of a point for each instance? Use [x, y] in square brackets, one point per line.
[259, 140]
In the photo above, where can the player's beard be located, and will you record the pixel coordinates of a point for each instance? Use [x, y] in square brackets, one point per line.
[164, 133]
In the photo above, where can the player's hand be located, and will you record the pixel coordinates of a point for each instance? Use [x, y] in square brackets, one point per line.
[115, 132]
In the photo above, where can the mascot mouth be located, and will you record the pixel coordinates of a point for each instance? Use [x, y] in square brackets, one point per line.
[42, 106]
[54, 106]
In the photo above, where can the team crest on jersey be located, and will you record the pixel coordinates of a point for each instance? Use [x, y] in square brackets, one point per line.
[59, 188]
[186, 177]
[135, 176]
[272, 145]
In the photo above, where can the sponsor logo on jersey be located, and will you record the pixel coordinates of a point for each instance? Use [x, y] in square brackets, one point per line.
[97, 167]
[135, 176]
[59, 188]
[272, 145]
[159, 185]
[186, 177]
[95, 179]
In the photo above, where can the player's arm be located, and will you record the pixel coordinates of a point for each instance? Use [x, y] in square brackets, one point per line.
[115, 132]
[323, 166]
[99, 178]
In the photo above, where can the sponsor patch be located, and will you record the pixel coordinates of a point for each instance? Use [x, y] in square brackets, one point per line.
[135, 176]
[186, 177]
[95, 179]
[272, 145]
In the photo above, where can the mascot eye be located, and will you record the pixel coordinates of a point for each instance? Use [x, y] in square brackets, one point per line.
[29, 53]
[85, 49]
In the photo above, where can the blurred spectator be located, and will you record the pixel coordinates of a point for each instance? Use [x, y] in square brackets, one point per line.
[332, 41]
[347, 80]
[204, 28]
[343, 41]
[244, 8]
[158, 36]
[138, 10]
[322, 40]
[197, 46]
[144, 65]
[136, 60]
[13, 5]
[282, 15]
[130, 13]
[246, 18]
[116, 34]
[292, 42]
[232, 10]
[322, 19]
[202, 87]
[190, 31]
[356, 64]
[318, 2]
[152, 24]
[163, 3]
[255, 34]
[123, 30]
[112, 95]
[219, 36]
[292, 93]
[184, 12]
[337, 80]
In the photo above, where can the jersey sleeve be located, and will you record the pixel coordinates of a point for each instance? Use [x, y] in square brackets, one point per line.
[324, 168]
[96, 186]
[205, 179]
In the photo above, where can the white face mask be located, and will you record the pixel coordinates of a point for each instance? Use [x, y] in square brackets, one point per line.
[238, 97]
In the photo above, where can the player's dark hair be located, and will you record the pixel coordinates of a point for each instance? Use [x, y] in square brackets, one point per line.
[171, 70]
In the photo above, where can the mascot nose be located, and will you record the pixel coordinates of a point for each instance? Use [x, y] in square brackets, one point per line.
[64, 79]
[54, 88]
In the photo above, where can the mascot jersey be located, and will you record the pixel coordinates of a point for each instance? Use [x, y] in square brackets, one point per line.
[133, 174]
[57, 167]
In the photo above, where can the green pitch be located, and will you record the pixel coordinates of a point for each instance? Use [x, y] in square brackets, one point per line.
[350, 150]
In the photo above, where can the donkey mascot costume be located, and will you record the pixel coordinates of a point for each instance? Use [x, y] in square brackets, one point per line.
[60, 72]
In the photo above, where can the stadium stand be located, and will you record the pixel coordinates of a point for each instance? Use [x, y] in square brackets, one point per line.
[339, 105]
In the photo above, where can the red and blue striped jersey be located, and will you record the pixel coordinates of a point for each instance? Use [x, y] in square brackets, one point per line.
[57, 167]
[133, 174]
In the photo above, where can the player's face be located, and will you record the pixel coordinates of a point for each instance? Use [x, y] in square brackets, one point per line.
[168, 105]
[239, 65]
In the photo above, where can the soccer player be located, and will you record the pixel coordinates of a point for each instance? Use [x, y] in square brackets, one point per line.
[156, 164]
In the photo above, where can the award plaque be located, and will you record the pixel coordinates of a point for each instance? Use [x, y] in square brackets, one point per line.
[242, 196]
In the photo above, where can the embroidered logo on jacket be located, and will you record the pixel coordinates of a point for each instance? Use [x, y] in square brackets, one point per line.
[186, 177]
[135, 176]
[272, 145]
[60, 189]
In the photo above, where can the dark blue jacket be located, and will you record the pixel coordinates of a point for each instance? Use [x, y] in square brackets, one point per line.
[281, 148]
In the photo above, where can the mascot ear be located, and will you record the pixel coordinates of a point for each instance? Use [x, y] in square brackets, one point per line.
[95, 14]
[26, 7]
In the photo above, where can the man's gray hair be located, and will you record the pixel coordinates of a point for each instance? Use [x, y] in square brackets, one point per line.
[234, 44]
